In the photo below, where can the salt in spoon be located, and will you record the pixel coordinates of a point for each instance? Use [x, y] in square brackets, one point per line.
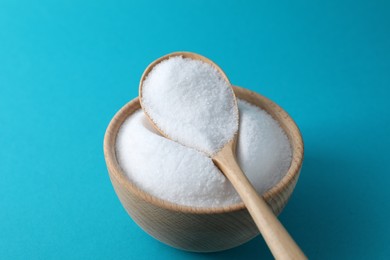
[277, 238]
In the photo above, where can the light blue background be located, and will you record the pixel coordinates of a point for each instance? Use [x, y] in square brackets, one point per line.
[66, 67]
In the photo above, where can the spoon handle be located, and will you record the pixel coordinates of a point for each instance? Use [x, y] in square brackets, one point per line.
[275, 235]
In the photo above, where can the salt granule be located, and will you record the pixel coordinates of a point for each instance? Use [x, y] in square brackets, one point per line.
[177, 86]
[183, 175]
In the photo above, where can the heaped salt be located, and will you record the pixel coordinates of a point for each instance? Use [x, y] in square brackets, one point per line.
[183, 175]
[191, 103]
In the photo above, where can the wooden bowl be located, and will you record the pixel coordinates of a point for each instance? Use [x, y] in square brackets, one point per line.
[200, 229]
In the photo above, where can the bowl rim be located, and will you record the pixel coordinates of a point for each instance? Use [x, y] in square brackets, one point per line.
[115, 171]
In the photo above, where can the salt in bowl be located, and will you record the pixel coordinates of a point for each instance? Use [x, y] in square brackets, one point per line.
[200, 229]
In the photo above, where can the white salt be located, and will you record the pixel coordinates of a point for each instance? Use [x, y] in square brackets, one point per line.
[191, 103]
[185, 176]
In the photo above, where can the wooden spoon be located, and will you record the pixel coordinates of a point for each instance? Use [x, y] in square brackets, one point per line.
[276, 236]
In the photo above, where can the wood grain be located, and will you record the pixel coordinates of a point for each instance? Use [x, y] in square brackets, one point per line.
[200, 229]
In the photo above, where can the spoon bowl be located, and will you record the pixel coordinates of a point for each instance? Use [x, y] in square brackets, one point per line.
[186, 55]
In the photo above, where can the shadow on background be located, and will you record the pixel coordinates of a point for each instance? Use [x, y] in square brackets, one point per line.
[326, 208]
[324, 211]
